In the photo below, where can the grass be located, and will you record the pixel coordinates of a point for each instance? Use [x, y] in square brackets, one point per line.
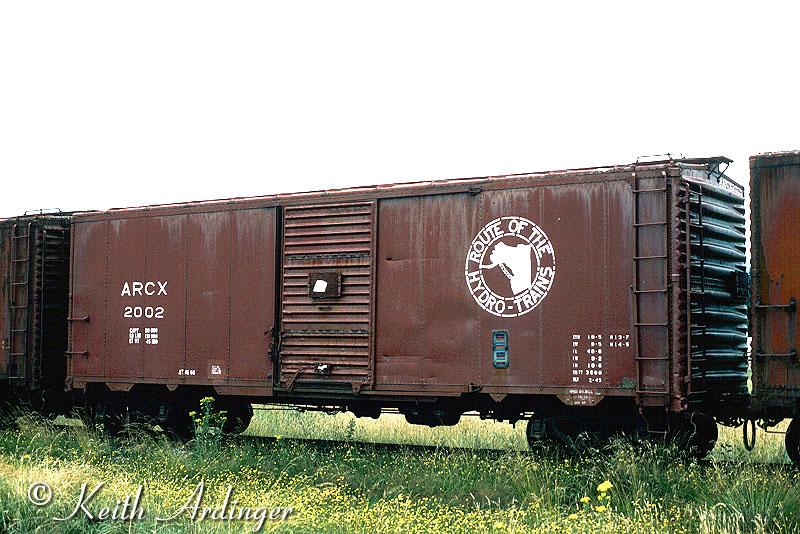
[350, 480]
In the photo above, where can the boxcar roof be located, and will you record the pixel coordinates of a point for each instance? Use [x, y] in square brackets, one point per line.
[772, 159]
[37, 215]
[450, 185]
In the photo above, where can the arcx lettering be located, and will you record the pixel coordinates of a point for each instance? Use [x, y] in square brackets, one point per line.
[133, 289]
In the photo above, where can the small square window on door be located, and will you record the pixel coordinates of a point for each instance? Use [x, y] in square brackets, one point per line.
[326, 301]
[325, 284]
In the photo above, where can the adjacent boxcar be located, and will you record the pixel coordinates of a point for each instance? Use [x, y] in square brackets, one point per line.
[605, 299]
[34, 295]
[775, 189]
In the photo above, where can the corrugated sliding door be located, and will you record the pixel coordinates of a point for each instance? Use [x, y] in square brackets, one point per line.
[327, 296]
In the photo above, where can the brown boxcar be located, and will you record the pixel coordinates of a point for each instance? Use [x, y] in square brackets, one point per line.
[34, 265]
[775, 189]
[576, 296]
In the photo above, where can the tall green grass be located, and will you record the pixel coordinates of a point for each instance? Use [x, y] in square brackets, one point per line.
[347, 483]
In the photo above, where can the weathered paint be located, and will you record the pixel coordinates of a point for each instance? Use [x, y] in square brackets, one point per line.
[775, 186]
[327, 341]
[411, 318]
[444, 336]
[211, 279]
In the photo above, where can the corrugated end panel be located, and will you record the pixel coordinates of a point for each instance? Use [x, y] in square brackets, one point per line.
[327, 342]
[718, 294]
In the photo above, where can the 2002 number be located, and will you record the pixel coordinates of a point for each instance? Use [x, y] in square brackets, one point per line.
[148, 312]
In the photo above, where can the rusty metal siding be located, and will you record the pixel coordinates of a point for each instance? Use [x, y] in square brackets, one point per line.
[174, 299]
[775, 190]
[253, 295]
[126, 258]
[327, 341]
[427, 323]
[164, 256]
[88, 294]
[432, 333]
[208, 286]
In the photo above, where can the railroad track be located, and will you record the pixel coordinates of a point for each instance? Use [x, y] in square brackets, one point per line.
[374, 446]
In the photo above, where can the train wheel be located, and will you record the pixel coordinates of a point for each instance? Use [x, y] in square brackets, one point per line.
[696, 432]
[178, 422]
[567, 434]
[126, 423]
[793, 441]
[536, 434]
[179, 425]
[107, 415]
[239, 416]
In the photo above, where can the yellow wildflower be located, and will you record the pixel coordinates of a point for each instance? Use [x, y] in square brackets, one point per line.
[600, 508]
[572, 516]
[604, 486]
[585, 499]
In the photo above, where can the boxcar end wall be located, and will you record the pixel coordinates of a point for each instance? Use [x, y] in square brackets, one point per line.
[34, 270]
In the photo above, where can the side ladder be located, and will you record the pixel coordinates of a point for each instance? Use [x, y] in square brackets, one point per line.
[697, 295]
[651, 291]
[19, 316]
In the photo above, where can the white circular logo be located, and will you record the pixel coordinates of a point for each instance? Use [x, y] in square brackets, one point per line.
[510, 266]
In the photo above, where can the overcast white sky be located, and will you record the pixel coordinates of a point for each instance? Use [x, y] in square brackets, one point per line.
[107, 104]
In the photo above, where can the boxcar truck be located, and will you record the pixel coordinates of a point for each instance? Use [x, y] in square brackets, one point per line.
[34, 297]
[602, 300]
[775, 190]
